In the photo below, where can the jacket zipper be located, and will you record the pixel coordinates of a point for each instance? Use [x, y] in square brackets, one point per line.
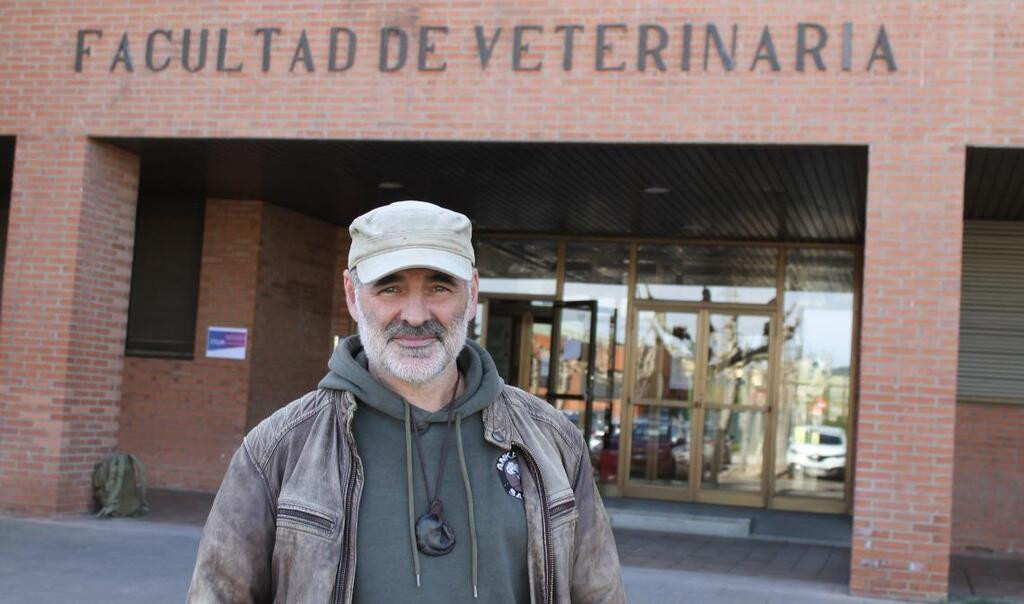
[549, 561]
[307, 517]
[341, 577]
[342, 574]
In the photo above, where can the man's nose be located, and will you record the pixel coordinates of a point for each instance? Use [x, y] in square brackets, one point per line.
[415, 311]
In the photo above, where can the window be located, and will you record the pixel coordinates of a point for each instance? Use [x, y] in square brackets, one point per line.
[814, 402]
[517, 267]
[707, 273]
[6, 173]
[165, 276]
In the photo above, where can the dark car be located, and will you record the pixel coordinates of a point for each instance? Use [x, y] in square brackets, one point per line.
[604, 452]
[672, 448]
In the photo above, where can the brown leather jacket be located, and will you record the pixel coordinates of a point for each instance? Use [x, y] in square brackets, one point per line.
[283, 524]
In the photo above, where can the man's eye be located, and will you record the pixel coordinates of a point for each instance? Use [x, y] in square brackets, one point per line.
[441, 288]
[388, 290]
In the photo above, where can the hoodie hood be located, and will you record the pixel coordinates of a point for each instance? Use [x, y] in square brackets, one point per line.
[349, 371]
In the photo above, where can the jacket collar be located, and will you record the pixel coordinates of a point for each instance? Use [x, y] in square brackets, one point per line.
[496, 418]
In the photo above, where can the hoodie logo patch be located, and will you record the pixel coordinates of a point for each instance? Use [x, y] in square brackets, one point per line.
[508, 472]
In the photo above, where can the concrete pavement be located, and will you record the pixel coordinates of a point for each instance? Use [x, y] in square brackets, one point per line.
[122, 561]
[692, 587]
[127, 561]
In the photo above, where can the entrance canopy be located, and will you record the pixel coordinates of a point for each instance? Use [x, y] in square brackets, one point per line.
[732, 192]
[994, 187]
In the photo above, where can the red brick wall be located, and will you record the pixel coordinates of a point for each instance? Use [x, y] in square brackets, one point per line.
[960, 82]
[263, 267]
[292, 338]
[949, 81]
[988, 487]
[909, 344]
[184, 419]
[65, 308]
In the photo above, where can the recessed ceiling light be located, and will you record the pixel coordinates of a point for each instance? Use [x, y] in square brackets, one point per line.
[657, 190]
[389, 185]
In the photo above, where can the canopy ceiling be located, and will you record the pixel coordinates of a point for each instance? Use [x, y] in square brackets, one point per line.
[734, 192]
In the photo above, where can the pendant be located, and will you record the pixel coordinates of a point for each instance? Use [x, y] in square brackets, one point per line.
[433, 535]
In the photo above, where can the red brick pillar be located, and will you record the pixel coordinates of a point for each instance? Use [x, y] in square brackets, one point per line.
[909, 340]
[65, 307]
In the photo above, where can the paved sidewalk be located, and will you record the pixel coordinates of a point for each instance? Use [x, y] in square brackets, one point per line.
[131, 561]
[734, 557]
[686, 587]
[127, 561]
[91, 561]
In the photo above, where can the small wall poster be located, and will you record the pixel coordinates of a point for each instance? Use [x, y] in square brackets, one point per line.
[226, 342]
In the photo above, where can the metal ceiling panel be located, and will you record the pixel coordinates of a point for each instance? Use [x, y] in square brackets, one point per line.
[732, 192]
[994, 184]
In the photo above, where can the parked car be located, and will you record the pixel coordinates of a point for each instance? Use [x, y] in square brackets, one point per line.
[818, 451]
[673, 450]
[604, 453]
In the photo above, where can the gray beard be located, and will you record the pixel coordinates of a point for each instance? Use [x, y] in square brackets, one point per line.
[417, 366]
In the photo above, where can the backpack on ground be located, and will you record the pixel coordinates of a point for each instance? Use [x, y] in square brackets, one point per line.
[119, 486]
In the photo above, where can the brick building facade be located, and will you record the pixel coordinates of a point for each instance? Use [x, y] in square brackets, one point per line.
[88, 86]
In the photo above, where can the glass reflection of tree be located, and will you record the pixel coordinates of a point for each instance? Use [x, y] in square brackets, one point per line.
[737, 374]
[677, 350]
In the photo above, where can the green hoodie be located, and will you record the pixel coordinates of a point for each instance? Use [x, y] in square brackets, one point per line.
[386, 568]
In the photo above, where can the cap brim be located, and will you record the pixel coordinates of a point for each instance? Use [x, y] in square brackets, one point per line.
[381, 265]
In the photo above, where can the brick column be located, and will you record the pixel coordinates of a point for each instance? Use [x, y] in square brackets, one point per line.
[292, 314]
[909, 341]
[65, 306]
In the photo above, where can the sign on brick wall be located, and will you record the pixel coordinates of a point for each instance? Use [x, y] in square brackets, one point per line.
[226, 342]
[686, 47]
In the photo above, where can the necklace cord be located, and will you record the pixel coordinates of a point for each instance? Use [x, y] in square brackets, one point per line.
[444, 450]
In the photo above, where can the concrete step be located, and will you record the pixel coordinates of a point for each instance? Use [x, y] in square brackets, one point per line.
[690, 524]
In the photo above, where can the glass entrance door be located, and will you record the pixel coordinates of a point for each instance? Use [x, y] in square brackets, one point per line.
[570, 385]
[547, 348]
[660, 414]
[700, 403]
[735, 404]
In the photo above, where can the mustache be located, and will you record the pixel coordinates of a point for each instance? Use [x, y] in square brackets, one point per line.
[430, 328]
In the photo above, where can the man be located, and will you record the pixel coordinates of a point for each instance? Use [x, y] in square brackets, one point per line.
[413, 474]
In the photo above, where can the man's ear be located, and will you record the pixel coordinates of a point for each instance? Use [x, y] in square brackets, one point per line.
[350, 294]
[474, 294]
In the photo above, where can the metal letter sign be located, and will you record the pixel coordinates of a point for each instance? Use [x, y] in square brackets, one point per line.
[616, 47]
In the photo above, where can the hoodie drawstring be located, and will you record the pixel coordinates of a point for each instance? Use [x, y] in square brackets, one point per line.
[411, 497]
[469, 497]
[409, 492]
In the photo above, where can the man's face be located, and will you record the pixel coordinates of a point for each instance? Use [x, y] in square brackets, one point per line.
[412, 323]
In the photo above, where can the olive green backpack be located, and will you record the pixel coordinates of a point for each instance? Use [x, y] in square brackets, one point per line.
[119, 486]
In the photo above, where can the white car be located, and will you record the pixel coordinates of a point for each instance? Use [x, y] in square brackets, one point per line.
[817, 451]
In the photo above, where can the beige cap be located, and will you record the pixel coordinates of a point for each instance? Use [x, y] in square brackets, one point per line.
[411, 234]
